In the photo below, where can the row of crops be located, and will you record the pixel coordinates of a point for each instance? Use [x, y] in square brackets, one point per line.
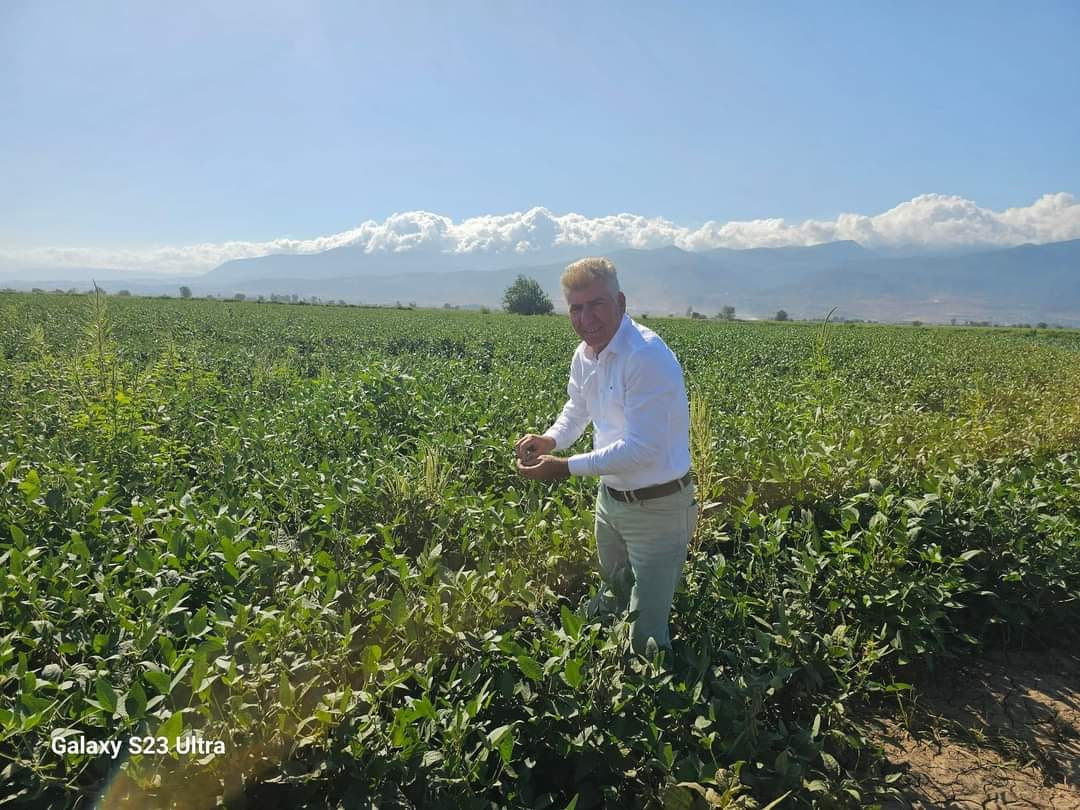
[297, 531]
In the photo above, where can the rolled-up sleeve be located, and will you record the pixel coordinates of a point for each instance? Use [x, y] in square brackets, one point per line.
[653, 383]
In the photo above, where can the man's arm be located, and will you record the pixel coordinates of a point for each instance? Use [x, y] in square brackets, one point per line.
[574, 417]
[534, 461]
[654, 383]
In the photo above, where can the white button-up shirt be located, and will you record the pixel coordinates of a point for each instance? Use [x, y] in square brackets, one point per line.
[634, 395]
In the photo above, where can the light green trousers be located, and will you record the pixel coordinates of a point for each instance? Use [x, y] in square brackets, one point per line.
[642, 549]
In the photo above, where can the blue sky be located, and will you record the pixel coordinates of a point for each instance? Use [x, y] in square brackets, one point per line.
[131, 124]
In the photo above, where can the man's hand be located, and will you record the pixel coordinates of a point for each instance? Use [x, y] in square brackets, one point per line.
[530, 447]
[545, 468]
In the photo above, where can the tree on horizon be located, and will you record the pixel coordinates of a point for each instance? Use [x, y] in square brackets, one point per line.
[526, 297]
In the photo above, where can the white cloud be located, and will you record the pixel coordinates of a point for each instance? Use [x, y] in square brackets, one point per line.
[929, 220]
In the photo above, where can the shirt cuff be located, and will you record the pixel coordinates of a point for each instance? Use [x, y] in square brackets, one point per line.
[551, 433]
[580, 464]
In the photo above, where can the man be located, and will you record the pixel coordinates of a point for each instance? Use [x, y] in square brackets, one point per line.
[627, 382]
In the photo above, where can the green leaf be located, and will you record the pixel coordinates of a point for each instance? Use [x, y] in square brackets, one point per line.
[106, 695]
[369, 662]
[831, 765]
[159, 680]
[135, 701]
[285, 690]
[78, 545]
[174, 603]
[398, 609]
[502, 739]
[197, 623]
[530, 667]
[199, 668]
[146, 560]
[431, 758]
[167, 649]
[571, 622]
[572, 672]
[775, 802]
[171, 728]
[30, 485]
[683, 796]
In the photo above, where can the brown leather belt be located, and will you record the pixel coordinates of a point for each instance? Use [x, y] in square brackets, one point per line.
[647, 493]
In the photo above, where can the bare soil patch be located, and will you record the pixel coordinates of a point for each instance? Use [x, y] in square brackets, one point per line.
[997, 731]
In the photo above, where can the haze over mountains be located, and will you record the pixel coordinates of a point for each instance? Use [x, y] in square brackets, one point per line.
[1028, 283]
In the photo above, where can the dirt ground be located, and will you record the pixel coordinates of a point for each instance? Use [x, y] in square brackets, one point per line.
[997, 731]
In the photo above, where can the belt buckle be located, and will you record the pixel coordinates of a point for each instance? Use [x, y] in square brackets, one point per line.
[630, 497]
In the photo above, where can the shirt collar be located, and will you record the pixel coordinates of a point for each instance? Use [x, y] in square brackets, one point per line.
[618, 340]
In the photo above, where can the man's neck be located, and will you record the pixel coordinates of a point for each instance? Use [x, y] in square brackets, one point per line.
[596, 352]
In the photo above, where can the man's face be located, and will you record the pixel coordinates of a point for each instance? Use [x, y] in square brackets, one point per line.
[595, 314]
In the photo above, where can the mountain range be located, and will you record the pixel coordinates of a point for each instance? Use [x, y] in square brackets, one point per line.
[1024, 284]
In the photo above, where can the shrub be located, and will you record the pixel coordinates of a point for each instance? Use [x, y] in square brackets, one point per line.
[526, 297]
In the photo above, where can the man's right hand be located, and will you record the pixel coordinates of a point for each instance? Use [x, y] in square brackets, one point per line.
[530, 447]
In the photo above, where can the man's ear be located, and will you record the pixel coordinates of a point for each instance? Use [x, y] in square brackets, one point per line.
[622, 303]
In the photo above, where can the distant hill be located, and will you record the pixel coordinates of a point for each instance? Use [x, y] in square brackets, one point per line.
[1028, 283]
[351, 260]
[764, 268]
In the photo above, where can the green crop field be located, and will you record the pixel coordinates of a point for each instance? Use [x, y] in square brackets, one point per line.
[297, 532]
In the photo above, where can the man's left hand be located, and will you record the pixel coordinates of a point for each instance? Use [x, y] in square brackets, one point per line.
[546, 468]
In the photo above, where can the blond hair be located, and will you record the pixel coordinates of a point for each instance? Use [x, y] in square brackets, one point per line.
[586, 272]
